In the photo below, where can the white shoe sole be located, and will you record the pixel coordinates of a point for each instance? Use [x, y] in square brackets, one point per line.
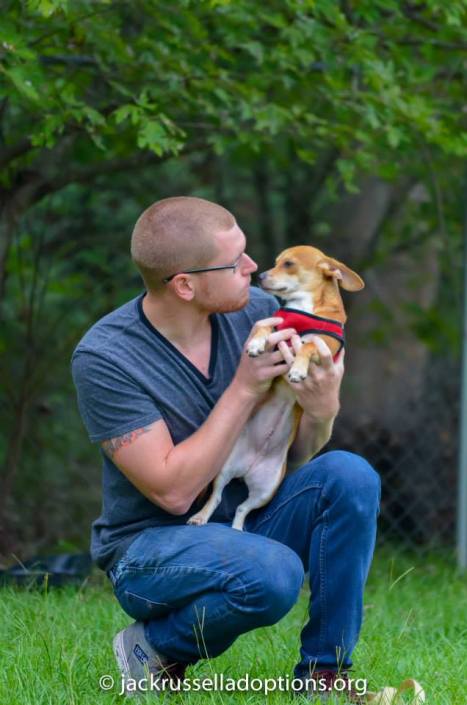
[122, 660]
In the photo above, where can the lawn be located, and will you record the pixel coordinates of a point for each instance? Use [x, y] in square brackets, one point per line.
[56, 644]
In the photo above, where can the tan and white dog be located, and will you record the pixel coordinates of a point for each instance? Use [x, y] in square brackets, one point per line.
[308, 281]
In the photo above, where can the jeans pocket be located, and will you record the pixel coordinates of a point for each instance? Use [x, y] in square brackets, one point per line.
[140, 607]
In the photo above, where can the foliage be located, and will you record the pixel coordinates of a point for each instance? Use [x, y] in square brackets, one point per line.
[88, 81]
[106, 105]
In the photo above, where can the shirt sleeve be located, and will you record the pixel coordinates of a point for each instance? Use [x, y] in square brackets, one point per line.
[271, 304]
[109, 401]
[263, 305]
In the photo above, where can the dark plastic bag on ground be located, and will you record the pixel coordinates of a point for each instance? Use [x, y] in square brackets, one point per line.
[56, 571]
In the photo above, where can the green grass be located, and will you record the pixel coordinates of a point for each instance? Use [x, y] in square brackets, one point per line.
[56, 644]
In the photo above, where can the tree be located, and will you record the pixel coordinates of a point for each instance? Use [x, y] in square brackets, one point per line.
[311, 93]
[92, 86]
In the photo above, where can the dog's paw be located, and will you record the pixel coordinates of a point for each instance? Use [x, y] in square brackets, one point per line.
[256, 347]
[296, 375]
[197, 520]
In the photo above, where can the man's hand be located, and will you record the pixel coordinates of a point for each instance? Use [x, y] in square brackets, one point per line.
[254, 375]
[318, 393]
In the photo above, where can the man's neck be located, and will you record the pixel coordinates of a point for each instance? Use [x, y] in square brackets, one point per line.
[185, 326]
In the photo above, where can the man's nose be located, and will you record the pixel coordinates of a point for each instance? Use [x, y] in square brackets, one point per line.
[251, 264]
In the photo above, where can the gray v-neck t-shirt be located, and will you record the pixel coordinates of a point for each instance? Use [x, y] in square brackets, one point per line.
[128, 375]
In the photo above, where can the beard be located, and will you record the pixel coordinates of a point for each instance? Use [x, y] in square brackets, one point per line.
[217, 302]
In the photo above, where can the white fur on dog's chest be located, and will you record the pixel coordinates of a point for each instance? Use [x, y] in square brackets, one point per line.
[259, 452]
[301, 300]
[258, 456]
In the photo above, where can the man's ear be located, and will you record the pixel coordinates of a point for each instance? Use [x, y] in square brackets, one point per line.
[347, 278]
[182, 285]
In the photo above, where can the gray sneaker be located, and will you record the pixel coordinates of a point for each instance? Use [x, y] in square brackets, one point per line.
[143, 668]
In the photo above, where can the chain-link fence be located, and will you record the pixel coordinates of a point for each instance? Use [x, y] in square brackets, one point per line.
[417, 461]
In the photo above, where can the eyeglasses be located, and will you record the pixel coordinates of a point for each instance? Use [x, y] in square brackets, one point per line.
[233, 267]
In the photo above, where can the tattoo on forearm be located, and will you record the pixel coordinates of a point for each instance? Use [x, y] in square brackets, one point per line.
[110, 447]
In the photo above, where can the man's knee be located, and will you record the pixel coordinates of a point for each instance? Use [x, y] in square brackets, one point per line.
[352, 479]
[275, 583]
[352, 469]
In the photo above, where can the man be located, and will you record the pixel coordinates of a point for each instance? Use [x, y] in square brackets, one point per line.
[165, 386]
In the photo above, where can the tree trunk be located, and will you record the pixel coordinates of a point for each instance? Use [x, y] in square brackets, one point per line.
[7, 231]
[271, 240]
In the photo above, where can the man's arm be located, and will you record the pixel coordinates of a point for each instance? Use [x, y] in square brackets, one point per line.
[318, 396]
[171, 475]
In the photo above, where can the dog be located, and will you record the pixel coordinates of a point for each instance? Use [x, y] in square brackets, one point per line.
[308, 282]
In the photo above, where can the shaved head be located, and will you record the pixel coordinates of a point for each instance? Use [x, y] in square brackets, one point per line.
[177, 234]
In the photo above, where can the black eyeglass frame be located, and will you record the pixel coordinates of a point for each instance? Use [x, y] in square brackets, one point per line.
[205, 269]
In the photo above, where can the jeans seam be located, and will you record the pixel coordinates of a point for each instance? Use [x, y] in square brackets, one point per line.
[322, 585]
[234, 578]
[313, 486]
[144, 599]
[118, 570]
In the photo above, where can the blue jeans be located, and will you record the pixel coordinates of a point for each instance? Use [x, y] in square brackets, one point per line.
[197, 588]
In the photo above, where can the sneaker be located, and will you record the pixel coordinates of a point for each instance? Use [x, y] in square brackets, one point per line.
[322, 687]
[143, 668]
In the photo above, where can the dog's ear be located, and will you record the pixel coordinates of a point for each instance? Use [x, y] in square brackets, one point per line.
[348, 279]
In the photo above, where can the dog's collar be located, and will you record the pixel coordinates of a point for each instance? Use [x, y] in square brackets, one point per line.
[310, 323]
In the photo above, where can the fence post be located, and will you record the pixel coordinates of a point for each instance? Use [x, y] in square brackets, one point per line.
[462, 489]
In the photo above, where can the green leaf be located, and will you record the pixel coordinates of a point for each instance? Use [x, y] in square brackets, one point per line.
[94, 117]
[47, 7]
[19, 76]
[347, 171]
[394, 135]
[131, 112]
[153, 136]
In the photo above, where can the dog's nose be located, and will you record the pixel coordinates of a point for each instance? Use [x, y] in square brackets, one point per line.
[262, 275]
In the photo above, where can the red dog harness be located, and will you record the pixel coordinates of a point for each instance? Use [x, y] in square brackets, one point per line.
[309, 323]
